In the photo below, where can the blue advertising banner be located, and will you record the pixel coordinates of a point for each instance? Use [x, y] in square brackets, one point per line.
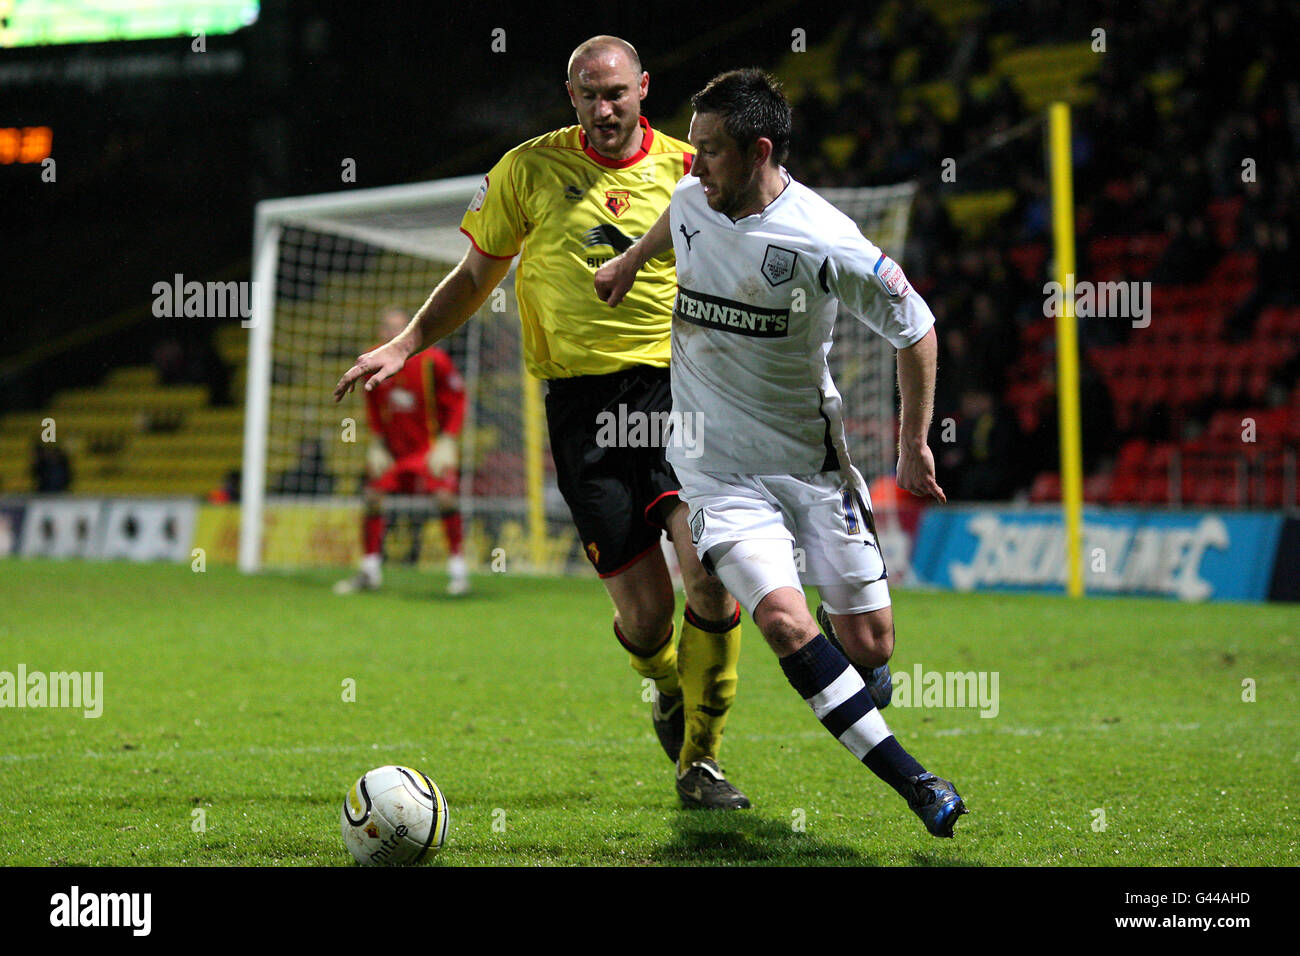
[1189, 555]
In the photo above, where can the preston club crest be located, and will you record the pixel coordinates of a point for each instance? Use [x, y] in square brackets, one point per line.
[618, 201]
[778, 265]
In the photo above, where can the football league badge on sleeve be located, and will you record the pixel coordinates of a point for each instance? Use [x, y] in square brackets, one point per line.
[891, 277]
[476, 203]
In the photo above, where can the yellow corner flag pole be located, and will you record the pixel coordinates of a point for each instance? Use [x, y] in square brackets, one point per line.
[1067, 344]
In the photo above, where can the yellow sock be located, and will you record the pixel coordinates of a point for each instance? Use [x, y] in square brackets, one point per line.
[660, 665]
[707, 658]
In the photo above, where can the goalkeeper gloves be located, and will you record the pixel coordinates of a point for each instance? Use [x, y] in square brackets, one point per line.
[378, 460]
[443, 454]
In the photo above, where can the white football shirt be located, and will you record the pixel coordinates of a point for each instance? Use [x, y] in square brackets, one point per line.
[753, 324]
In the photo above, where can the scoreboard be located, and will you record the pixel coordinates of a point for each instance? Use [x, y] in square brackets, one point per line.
[25, 144]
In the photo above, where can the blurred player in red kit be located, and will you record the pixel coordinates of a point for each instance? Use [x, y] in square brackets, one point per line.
[415, 422]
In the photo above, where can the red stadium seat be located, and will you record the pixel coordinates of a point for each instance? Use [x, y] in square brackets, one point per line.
[1273, 492]
[1096, 488]
[1225, 425]
[1237, 268]
[1225, 214]
[1273, 426]
[1046, 487]
[1132, 456]
[1153, 491]
[1124, 487]
[1158, 458]
[1028, 260]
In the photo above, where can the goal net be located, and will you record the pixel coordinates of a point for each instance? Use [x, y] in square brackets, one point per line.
[862, 363]
[325, 268]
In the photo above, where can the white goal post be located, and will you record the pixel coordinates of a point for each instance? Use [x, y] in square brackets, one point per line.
[325, 266]
[401, 219]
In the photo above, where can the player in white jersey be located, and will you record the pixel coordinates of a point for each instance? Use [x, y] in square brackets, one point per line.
[763, 263]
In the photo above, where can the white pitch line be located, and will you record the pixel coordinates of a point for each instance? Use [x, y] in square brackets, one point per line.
[590, 742]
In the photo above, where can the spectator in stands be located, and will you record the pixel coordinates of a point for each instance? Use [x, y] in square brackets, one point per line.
[814, 115]
[1189, 253]
[169, 361]
[228, 491]
[1274, 283]
[310, 477]
[959, 370]
[931, 230]
[984, 460]
[1164, 136]
[1097, 423]
[51, 470]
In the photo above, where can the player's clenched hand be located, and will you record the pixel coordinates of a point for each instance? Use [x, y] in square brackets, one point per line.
[615, 278]
[916, 472]
[375, 366]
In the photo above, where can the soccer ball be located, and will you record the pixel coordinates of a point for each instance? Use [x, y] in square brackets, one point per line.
[392, 816]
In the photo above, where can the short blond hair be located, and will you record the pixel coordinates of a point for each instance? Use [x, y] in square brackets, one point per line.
[603, 44]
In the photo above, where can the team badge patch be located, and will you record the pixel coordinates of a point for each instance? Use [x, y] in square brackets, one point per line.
[593, 552]
[617, 201]
[697, 526]
[778, 265]
[476, 203]
[891, 277]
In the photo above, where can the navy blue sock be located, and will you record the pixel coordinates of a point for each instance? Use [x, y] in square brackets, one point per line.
[892, 764]
[821, 674]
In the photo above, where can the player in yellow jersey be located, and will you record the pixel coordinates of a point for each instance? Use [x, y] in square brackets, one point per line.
[565, 203]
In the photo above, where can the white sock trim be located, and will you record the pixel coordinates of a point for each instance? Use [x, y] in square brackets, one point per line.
[863, 736]
[836, 692]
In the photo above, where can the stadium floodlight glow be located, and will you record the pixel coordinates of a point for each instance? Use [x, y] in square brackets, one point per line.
[324, 267]
[46, 22]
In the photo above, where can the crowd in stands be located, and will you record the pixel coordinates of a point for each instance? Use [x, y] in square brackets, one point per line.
[1149, 159]
[1189, 138]
[51, 469]
[193, 360]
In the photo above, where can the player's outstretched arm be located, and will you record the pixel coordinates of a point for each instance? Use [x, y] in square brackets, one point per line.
[916, 375]
[615, 278]
[456, 298]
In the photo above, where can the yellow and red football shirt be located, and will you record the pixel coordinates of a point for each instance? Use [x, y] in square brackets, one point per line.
[566, 210]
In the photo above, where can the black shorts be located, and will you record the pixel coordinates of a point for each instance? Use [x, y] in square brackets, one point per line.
[612, 490]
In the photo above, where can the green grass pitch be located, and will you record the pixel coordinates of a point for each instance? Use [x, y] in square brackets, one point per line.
[225, 694]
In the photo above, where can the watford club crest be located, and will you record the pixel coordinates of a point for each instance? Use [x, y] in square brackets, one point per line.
[593, 552]
[618, 201]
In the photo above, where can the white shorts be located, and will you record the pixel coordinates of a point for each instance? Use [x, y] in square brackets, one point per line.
[762, 532]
